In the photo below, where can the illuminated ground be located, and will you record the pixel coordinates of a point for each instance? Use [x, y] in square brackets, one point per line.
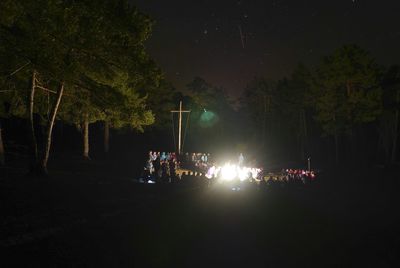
[100, 221]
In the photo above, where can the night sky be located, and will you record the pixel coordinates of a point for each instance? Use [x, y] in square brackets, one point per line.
[230, 42]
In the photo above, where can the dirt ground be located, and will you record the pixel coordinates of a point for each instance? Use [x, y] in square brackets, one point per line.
[91, 215]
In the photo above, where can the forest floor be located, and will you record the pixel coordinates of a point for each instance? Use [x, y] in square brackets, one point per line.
[91, 215]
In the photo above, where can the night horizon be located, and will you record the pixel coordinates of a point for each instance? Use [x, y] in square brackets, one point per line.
[278, 36]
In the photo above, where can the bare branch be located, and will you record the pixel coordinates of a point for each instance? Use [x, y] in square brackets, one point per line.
[19, 69]
[47, 90]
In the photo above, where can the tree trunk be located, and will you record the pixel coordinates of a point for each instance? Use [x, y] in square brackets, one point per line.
[354, 141]
[303, 135]
[378, 146]
[336, 147]
[386, 150]
[45, 157]
[264, 126]
[336, 137]
[348, 88]
[2, 153]
[301, 146]
[32, 137]
[86, 137]
[305, 124]
[396, 128]
[106, 136]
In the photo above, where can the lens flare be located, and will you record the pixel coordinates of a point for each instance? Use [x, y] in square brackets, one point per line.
[228, 172]
[208, 119]
[242, 173]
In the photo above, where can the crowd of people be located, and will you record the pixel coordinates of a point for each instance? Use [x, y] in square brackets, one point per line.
[162, 166]
[168, 166]
[290, 176]
[199, 162]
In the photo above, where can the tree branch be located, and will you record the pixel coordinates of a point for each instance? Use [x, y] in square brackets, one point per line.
[19, 69]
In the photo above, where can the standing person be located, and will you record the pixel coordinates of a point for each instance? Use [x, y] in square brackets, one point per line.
[172, 172]
[241, 159]
[157, 165]
[149, 167]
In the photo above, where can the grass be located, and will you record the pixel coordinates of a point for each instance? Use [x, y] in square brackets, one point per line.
[87, 215]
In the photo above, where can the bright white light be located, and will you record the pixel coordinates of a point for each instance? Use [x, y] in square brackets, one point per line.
[228, 172]
[242, 173]
[255, 172]
[211, 172]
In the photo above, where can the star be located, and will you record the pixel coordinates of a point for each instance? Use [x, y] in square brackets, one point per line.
[205, 31]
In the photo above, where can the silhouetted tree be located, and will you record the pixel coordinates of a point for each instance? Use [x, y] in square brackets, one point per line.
[388, 126]
[347, 93]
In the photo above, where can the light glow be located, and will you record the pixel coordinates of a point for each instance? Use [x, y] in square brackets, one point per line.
[229, 172]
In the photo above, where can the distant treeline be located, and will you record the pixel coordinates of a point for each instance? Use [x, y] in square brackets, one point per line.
[81, 62]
